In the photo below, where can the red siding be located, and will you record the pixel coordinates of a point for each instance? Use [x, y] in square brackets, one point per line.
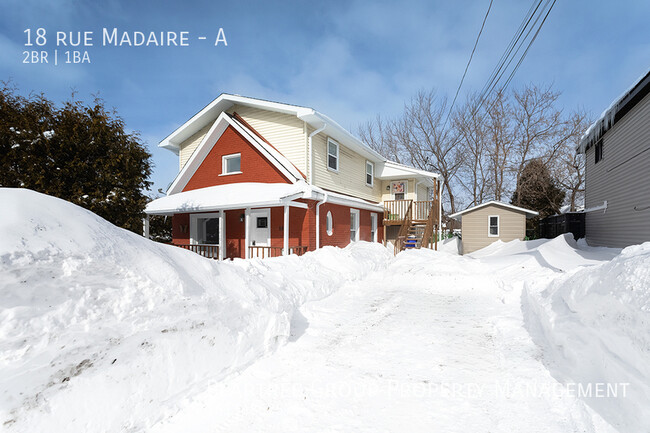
[302, 227]
[181, 228]
[254, 166]
[341, 225]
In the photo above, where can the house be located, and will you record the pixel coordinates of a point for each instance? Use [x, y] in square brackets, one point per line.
[491, 221]
[259, 178]
[617, 155]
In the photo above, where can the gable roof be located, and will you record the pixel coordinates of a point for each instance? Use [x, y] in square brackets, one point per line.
[225, 101]
[617, 109]
[223, 121]
[496, 203]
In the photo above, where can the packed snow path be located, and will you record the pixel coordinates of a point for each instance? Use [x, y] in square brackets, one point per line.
[432, 343]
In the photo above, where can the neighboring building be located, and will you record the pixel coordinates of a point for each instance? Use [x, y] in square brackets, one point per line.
[488, 222]
[262, 178]
[617, 153]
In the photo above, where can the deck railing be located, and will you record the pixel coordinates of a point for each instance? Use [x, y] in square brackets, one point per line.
[260, 251]
[403, 230]
[395, 210]
[210, 251]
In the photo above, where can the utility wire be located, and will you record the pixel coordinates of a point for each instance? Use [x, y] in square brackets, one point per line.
[468, 63]
[517, 41]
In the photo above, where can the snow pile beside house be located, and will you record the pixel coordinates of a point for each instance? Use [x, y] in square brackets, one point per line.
[594, 324]
[102, 330]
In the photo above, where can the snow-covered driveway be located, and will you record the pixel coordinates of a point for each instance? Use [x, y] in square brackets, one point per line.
[433, 343]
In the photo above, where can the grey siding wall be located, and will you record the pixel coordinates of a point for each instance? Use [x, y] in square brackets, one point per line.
[622, 178]
[512, 225]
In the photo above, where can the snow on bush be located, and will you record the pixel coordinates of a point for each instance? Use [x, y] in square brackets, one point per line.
[595, 326]
[103, 330]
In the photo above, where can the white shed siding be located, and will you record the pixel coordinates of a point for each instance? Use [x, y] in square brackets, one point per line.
[351, 176]
[621, 178]
[188, 146]
[285, 132]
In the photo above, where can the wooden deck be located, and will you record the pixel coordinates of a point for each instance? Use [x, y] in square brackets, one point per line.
[395, 211]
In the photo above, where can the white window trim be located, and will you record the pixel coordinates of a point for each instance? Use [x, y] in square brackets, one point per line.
[194, 221]
[338, 160]
[498, 226]
[374, 224]
[358, 221]
[329, 221]
[372, 173]
[224, 160]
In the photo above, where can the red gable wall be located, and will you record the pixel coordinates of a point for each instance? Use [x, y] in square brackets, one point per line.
[254, 166]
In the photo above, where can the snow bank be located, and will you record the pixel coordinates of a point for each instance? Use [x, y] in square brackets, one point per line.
[102, 330]
[561, 253]
[594, 324]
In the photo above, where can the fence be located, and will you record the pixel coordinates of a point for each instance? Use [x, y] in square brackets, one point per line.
[572, 222]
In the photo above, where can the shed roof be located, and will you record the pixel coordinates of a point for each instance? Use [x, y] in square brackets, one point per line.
[494, 203]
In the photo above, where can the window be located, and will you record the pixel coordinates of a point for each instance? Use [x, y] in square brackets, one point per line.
[231, 164]
[329, 224]
[332, 155]
[370, 173]
[599, 150]
[354, 225]
[262, 222]
[373, 227]
[493, 226]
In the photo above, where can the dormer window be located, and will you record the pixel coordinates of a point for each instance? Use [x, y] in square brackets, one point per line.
[231, 164]
[332, 155]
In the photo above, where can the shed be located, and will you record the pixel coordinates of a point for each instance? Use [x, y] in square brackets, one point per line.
[491, 221]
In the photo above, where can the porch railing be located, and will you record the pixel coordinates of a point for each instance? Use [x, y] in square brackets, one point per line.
[259, 251]
[206, 250]
[395, 210]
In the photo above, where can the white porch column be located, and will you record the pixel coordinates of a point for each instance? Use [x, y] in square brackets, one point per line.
[285, 250]
[247, 232]
[222, 234]
[145, 227]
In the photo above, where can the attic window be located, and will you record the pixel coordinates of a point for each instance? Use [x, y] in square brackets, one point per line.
[332, 155]
[231, 164]
[599, 150]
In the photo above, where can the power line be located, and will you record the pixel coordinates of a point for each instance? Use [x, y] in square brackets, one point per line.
[508, 57]
[468, 63]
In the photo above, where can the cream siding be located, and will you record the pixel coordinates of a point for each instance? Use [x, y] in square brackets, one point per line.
[621, 178]
[421, 192]
[188, 146]
[512, 225]
[284, 131]
[386, 193]
[351, 176]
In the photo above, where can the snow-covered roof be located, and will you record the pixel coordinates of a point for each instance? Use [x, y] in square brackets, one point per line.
[249, 194]
[496, 203]
[218, 127]
[616, 110]
[225, 101]
[391, 170]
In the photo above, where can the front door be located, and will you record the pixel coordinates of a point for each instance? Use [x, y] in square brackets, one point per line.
[260, 227]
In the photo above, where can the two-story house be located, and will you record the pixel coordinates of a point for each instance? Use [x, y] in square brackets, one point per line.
[617, 154]
[260, 178]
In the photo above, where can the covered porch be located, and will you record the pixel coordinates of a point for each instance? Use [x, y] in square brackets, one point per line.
[238, 221]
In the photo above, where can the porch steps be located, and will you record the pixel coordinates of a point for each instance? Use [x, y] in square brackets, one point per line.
[414, 236]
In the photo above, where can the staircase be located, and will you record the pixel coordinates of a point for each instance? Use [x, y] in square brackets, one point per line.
[414, 236]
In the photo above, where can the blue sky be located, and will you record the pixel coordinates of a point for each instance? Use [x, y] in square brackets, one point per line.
[348, 59]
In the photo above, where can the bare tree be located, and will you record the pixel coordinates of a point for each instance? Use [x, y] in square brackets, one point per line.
[568, 166]
[472, 132]
[432, 146]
